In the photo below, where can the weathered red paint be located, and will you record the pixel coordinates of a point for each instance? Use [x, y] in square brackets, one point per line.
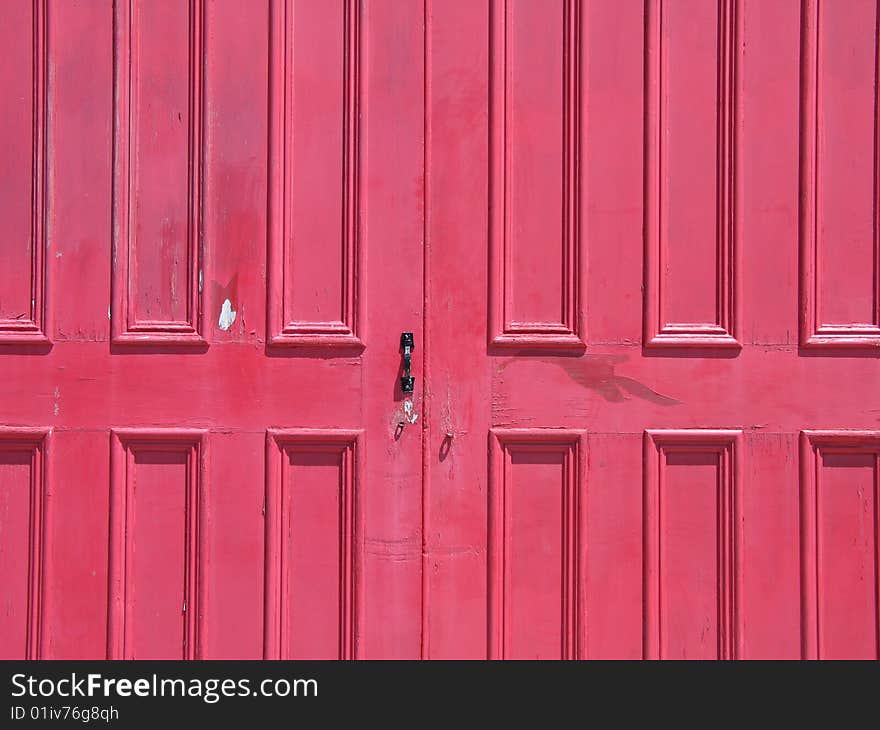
[636, 243]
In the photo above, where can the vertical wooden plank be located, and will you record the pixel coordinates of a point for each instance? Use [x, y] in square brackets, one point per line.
[234, 181]
[392, 199]
[454, 474]
[76, 561]
[613, 583]
[770, 556]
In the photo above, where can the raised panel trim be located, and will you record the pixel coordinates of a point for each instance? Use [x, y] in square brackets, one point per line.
[726, 443]
[280, 441]
[347, 333]
[659, 333]
[571, 332]
[813, 332]
[34, 328]
[123, 443]
[572, 443]
[36, 441]
[813, 443]
[123, 330]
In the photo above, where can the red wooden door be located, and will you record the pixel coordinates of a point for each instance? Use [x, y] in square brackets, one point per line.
[636, 243]
[212, 242]
[662, 218]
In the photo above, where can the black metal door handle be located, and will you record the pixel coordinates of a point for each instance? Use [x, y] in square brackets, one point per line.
[407, 343]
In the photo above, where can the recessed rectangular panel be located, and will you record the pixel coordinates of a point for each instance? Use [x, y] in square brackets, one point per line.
[22, 175]
[841, 551]
[535, 185]
[691, 539]
[840, 174]
[691, 135]
[22, 480]
[313, 240]
[156, 497]
[158, 154]
[689, 543]
[535, 543]
[157, 572]
[310, 516]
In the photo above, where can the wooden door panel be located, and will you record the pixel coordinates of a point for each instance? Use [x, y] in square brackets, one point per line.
[314, 174]
[157, 527]
[313, 526]
[536, 253]
[172, 218]
[158, 156]
[23, 488]
[535, 555]
[636, 244]
[23, 177]
[840, 549]
[692, 129]
[692, 525]
[700, 188]
[839, 175]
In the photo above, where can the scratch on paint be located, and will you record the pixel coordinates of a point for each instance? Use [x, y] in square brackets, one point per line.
[227, 315]
[57, 407]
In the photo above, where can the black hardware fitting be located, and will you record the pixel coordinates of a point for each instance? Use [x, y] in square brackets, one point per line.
[407, 343]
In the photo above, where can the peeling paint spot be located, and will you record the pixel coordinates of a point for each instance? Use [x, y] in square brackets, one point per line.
[58, 255]
[227, 315]
[57, 407]
[408, 414]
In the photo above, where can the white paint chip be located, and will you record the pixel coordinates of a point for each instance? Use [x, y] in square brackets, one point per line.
[408, 413]
[227, 315]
